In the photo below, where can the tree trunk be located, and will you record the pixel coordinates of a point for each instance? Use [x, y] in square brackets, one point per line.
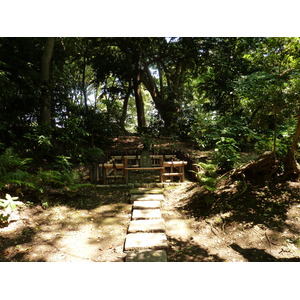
[258, 171]
[166, 106]
[83, 87]
[125, 105]
[139, 99]
[45, 115]
[291, 167]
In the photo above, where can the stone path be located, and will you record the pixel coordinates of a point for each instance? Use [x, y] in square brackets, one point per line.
[146, 238]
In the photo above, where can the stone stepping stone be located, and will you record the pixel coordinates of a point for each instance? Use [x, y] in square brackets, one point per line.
[147, 256]
[137, 241]
[154, 225]
[146, 204]
[146, 191]
[147, 197]
[153, 213]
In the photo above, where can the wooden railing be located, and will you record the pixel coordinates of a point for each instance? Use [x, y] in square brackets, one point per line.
[118, 167]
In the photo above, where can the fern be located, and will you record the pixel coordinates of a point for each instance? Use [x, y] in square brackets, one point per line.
[50, 178]
[11, 161]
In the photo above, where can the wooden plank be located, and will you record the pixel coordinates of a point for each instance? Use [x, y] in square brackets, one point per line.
[114, 176]
[172, 174]
[151, 225]
[147, 256]
[137, 241]
[144, 168]
[117, 166]
[174, 163]
[132, 157]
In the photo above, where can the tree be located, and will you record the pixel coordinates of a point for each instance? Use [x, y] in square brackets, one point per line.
[291, 166]
[172, 60]
[45, 118]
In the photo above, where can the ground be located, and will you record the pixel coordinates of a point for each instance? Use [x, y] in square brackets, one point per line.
[89, 227]
[263, 224]
[256, 223]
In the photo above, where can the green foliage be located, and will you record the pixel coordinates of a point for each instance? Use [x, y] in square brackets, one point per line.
[10, 161]
[13, 168]
[8, 205]
[51, 178]
[207, 175]
[226, 153]
[93, 154]
[62, 163]
[38, 140]
[147, 141]
[14, 171]
[266, 143]
[204, 130]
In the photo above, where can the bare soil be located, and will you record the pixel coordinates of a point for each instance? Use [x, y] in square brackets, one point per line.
[90, 227]
[263, 224]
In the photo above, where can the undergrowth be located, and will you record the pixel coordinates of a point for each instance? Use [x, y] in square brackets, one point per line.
[18, 175]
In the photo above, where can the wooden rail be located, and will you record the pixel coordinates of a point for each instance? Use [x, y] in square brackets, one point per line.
[119, 166]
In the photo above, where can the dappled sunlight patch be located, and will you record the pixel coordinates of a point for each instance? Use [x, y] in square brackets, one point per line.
[262, 225]
[65, 233]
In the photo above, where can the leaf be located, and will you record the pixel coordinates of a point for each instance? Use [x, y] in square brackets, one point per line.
[8, 197]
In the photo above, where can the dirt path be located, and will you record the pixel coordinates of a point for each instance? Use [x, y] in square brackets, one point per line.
[64, 233]
[263, 225]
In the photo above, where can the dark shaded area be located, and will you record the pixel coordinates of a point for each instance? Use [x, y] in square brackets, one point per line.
[88, 197]
[259, 255]
[187, 251]
[258, 205]
[26, 236]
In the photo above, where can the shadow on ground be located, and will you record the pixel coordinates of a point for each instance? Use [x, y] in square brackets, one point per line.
[266, 206]
[84, 228]
[185, 251]
[259, 255]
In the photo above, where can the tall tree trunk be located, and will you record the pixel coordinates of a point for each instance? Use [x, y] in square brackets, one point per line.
[291, 167]
[125, 105]
[45, 115]
[83, 87]
[138, 98]
[164, 104]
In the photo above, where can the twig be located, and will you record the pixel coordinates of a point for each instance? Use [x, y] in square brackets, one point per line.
[268, 240]
[211, 228]
[223, 225]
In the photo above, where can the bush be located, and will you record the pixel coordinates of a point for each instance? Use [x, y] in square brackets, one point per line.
[93, 154]
[206, 175]
[13, 168]
[226, 153]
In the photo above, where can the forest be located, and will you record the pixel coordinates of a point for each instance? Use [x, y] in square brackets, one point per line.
[228, 105]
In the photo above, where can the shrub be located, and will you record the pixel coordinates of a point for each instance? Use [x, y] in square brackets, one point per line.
[13, 168]
[93, 154]
[206, 175]
[226, 153]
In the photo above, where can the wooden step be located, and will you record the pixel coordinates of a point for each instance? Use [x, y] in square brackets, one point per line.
[143, 214]
[147, 256]
[172, 174]
[147, 197]
[146, 191]
[152, 225]
[146, 204]
[137, 241]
